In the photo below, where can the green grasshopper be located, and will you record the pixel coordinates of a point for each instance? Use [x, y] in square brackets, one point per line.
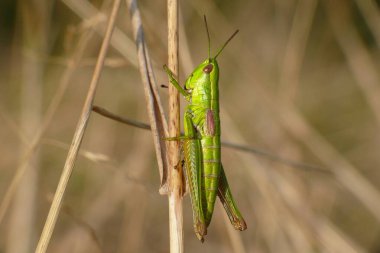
[201, 144]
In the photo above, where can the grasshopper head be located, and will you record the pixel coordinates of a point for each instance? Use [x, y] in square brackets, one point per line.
[207, 70]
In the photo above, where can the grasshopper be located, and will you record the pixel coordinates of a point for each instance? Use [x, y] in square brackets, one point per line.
[201, 144]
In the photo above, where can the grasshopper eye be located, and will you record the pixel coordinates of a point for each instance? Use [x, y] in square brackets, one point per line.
[208, 68]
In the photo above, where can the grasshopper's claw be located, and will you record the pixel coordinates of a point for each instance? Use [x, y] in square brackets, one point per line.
[200, 238]
[200, 230]
[239, 224]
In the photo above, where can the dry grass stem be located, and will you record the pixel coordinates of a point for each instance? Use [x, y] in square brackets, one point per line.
[78, 137]
[153, 103]
[123, 120]
[175, 174]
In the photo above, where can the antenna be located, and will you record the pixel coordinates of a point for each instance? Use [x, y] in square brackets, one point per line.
[225, 43]
[208, 36]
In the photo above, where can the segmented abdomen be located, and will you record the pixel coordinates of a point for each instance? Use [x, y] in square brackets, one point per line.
[211, 172]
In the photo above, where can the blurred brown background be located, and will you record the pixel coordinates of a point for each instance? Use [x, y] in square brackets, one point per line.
[300, 81]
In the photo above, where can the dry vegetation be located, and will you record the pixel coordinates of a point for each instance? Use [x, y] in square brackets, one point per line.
[300, 81]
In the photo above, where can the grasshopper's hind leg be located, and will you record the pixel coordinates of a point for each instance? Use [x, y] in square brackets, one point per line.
[225, 196]
[193, 164]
